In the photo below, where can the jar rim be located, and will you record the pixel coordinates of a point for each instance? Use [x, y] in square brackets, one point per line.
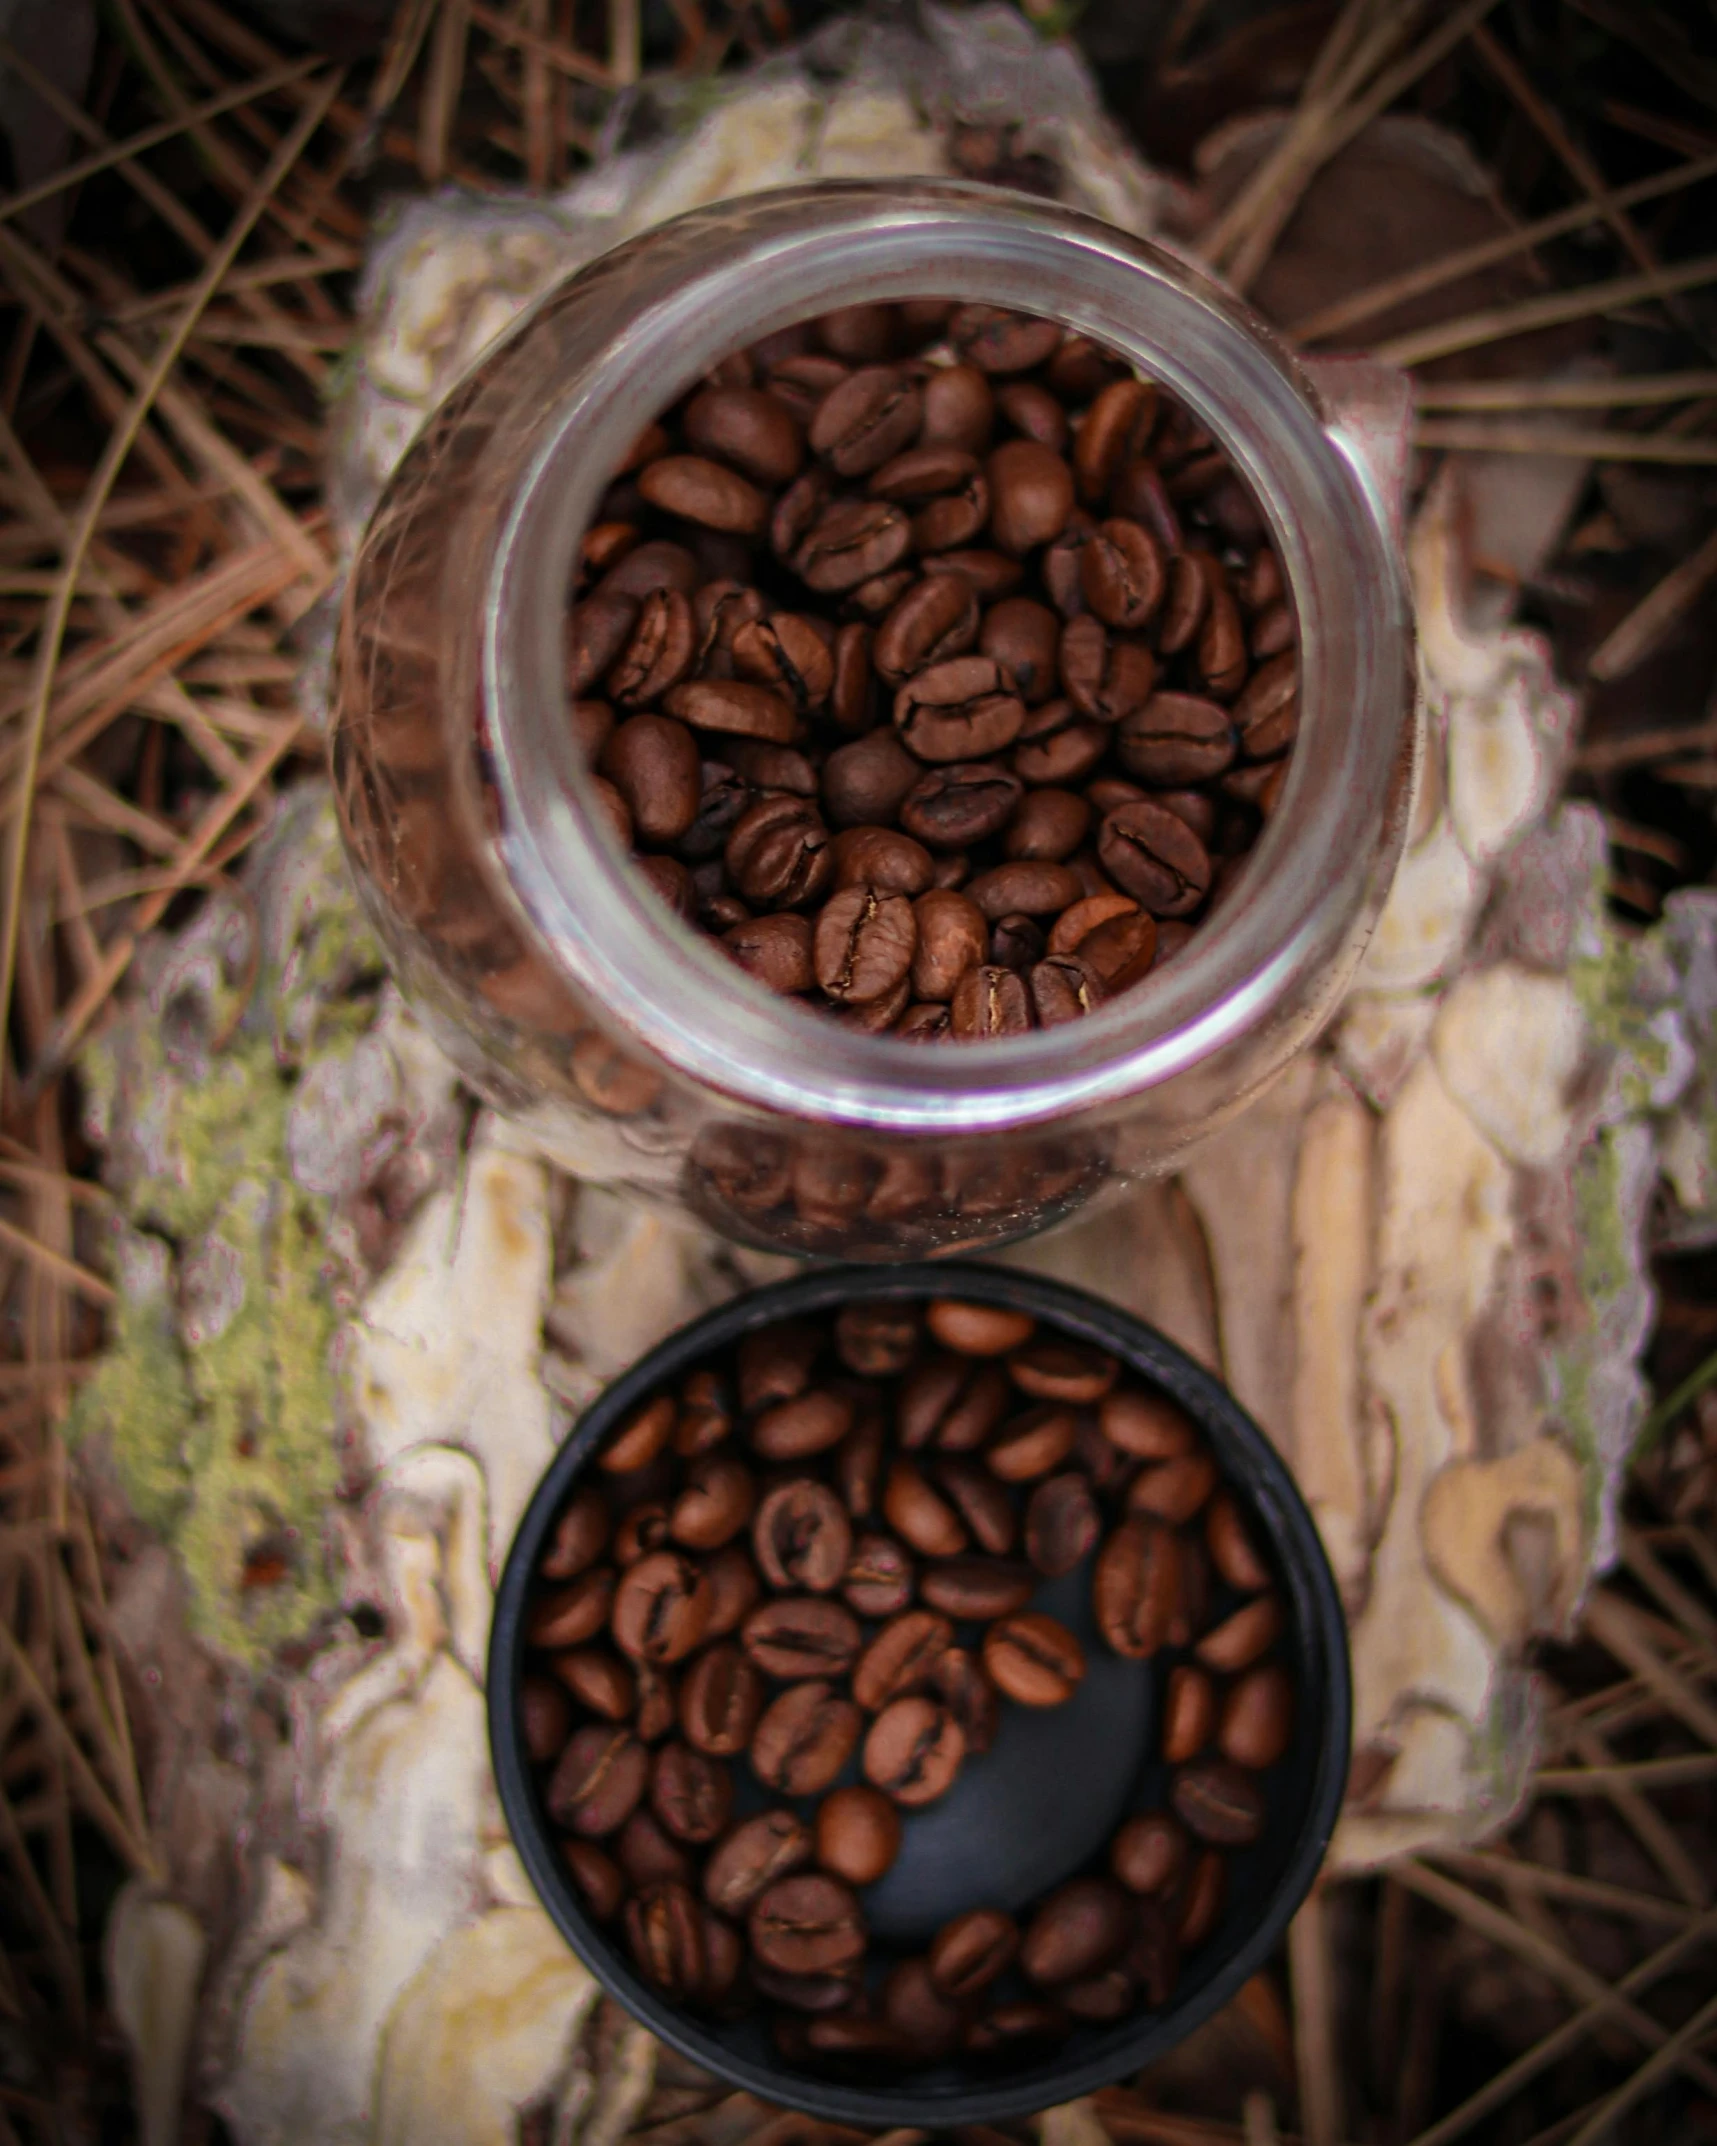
[716, 278]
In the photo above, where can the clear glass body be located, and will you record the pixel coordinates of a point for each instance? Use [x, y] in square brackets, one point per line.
[630, 1049]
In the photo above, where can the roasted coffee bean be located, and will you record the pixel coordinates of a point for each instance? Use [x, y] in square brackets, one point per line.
[980, 1501]
[1101, 1999]
[1175, 738]
[935, 620]
[752, 430]
[855, 2034]
[1061, 1524]
[989, 1001]
[1220, 1802]
[1150, 1853]
[812, 1994]
[1267, 712]
[802, 1636]
[1026, 887]
[927, 2020]
[876, 1339]
[1202, 1901]
[990, 574]
[1033, 1659]
[1154, 856]
[802, 1537]
[972, 1329]
[808, 1924]
[804, 1738]
[879, 1579]
[913, 1750]
[643, 1529]
[1135, 1586]
[1066, 987]
[661, 1608]
[734, 707]
[852, 542]
[787, 653]
[960, 1683]
[1189, 1713]
[866, 418]
[857, 1834]
[882, 859]
[640, 1438]
[1173, 1489]
[1114, 432]
[719, 1702]
[775, 950]
[955, 808]
[1153, 1957]
[775, 1363]
[952, 937]
[974, 1950]
[857, 1467]
[778, 854]
[1048, 826]
[647, 1855]
[716, 1503]
[690, 1793]
[600, 1776]
[596, 631]
[919, 1514]
[578, 1611]
[1034, 411]
[752, 1857]
[1257, 1717]
[809, 1423]
[1002, 342]
[1064, 751]
[664, 1933]
[863, 945]
[1146, 1425]
[1121, 574]
[957, 711]
[901, 1658]
[597, 1876]
[1032, 1444]
[1016, 942]
[652, 761]
[658, 1704]
[867, 782]
[579, 1538]
[733, 1588]
[1232, 1550]
[977, 1589]
[1080, 1929]
[1031, 495]
[1022, 637]
[958, 409]
[1105, 678]
[598, 1680]
[698, 490]
[545, 1717]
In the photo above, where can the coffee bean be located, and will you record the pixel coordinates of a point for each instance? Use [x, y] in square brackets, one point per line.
[1035, 412]
[658, 1704]
[1189, 1713]
[690, 1793]
[1101, 1999]
[974, 1950]
[977, 1589]
[596, 631]
[1232, 1549]
[1153, 855]
[716, 1503]
[879, 1578]
[1185, 601]
[719, 1702]
[1121, 574]
[1146, 1425]
[775, 1362]
[1032, 1444]
[775, 950]
[802, 1537]
[919, 1515]
[1257, 1717]
[1031, 495]
[1104, 677]
[566, 1615]
[814, 1994]
[640, 1438]
[600, 1777]
[1048, 827]
[876, 1339]
[664, 1933]
[1114, 432]
[1001, 342]
[580, 1535]
[732, 706]
[1202, 1901]
[858, 1467]
[882, 859]
[1063, 751]
[1061, 1524]
[1176, 738]
[957, 711]
[868, 417]
[1033, 1660]
[1022, 637]
[778, 854]
[804, 1738]
[1026, 887]
[1135, 1585]
[928, 2021]
[951, 938]
[857, 1834]
[598, 1680]
[661, 1608]
[958, 409]
[989, 1001]
[597, 1876]
[1173, 1489]
[955, 808]
[662, 564]
[990, 574]
[748, 428]
[808, 1924]
[1150, 1853]
[851, 542]
[643, 1529]
[913, 1750]
[901, 1658]
[1267, 712]
[698, 490]
[802, 1636]
[980, 1501]
[863, 945]
[936, 619]
[1220, 1802]
[752, 1857]
[545, 1717]
[809, 1423]
[733, 1588]
[790, 655]
[1153, 1957]
[658, 652]
[1080, 1929]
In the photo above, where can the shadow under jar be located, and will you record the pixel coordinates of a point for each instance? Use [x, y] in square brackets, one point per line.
[633, 1050]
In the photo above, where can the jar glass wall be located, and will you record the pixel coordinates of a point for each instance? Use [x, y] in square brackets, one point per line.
[631, 1050]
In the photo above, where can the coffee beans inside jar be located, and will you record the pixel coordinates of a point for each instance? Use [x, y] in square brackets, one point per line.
[792, 1603]
[936, 666]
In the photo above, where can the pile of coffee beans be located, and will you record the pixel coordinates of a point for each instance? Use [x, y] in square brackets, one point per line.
[937, 666]
[786, 1609]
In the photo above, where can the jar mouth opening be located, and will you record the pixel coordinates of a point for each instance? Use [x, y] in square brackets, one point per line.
[725, 277]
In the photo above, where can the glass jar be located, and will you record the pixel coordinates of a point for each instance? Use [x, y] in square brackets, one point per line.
[630, 1049]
